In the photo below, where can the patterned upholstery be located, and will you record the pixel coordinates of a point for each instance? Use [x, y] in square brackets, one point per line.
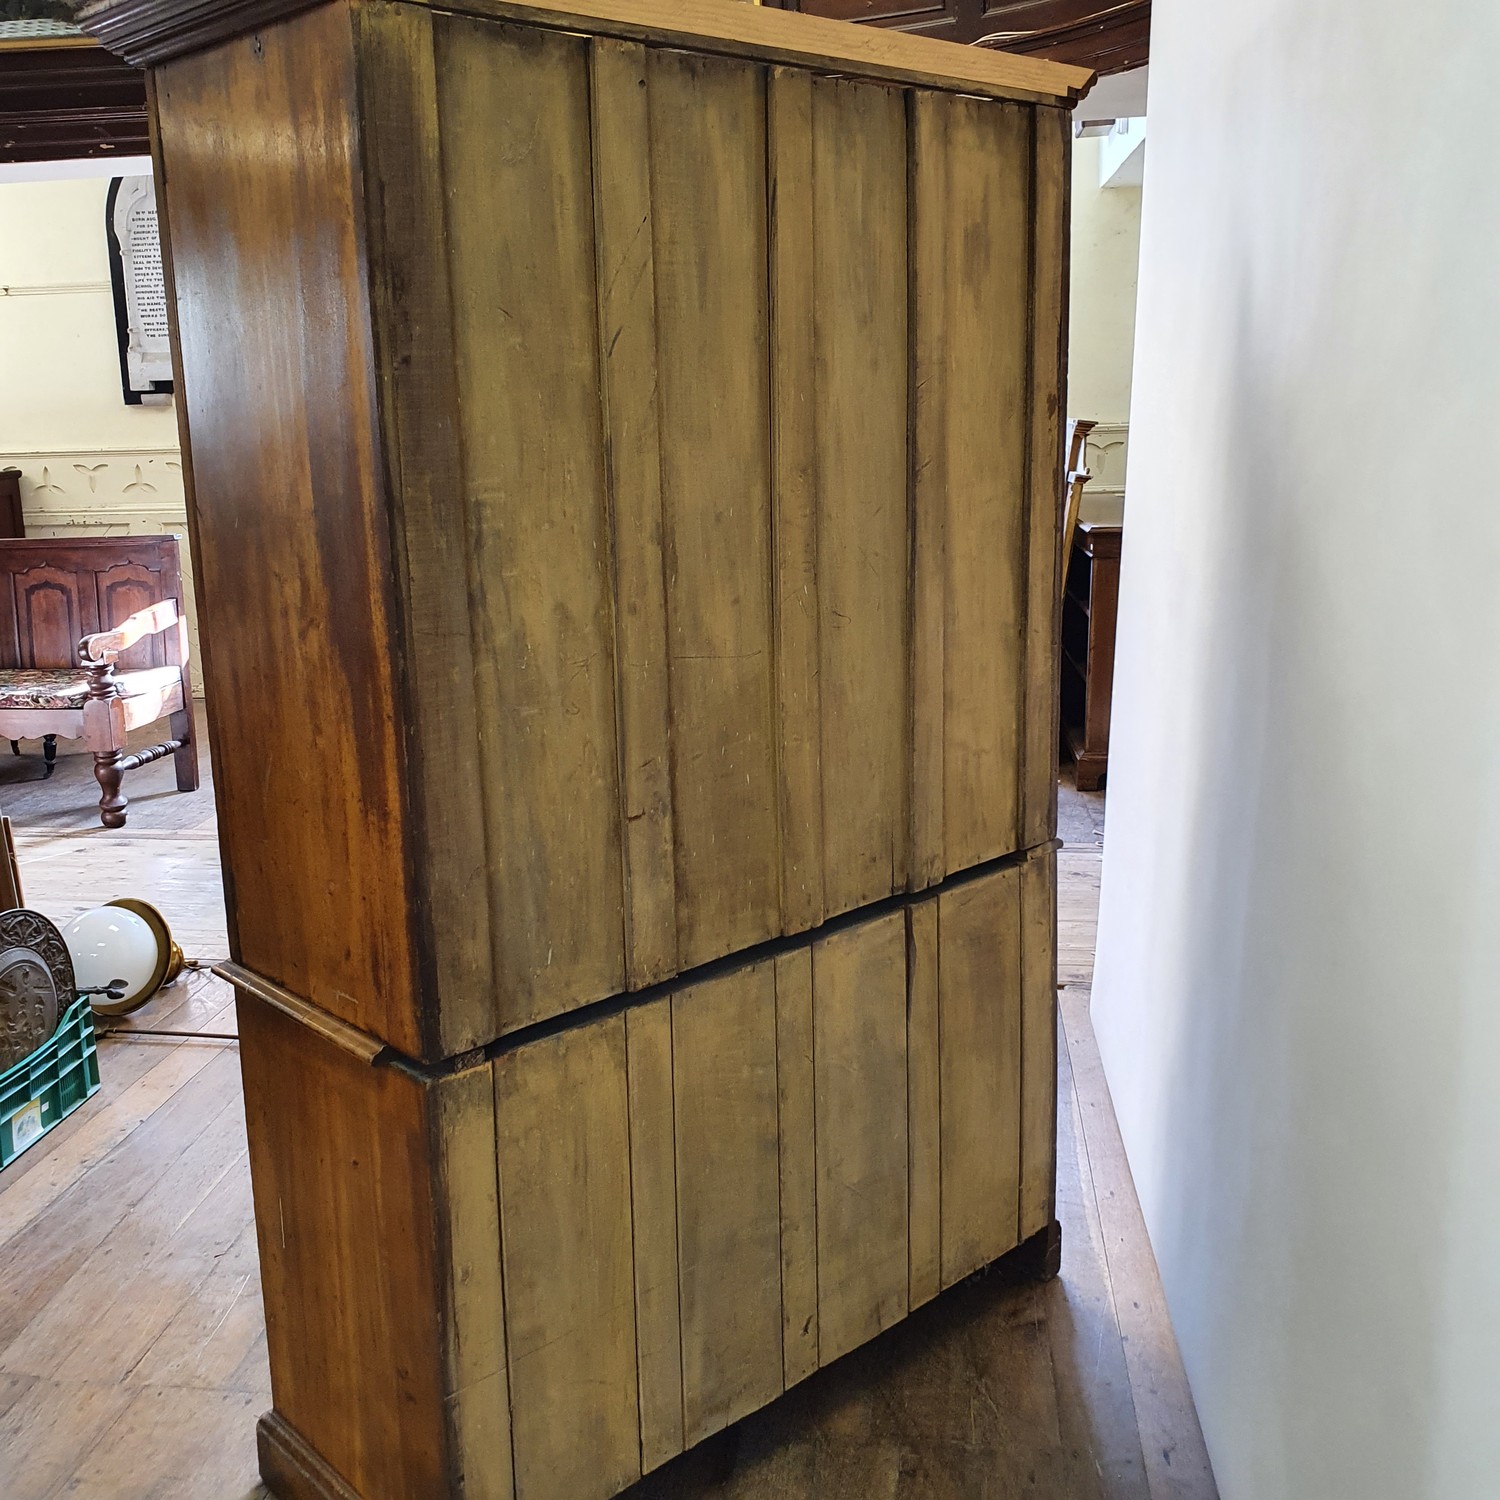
[58, 687]
[68, 687]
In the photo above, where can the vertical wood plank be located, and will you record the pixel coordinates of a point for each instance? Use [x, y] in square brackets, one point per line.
[10, 642]
[979, 1015]
[728, 1196]
[859, 1052]
[975, 320]
[794, 461]
[627, 343]
[412, 315]
[653, 1195]
[562, 1111]
[1038, 1042]
[928, 191]
[923, 1101]
[860, 276]
[708, 175]
[799, 1203]
[1051, 179]
[477, 1378]
[521, 263]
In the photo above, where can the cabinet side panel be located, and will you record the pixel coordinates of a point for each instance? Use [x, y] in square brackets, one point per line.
[344, 1213]
[859, 1047]
[514, 111]
[860, 309]
[1038, 1042]
[1051, 178]
[728, 1196]
[256, 142]
[979, 1013]
[562, 1114]
[413, 322]
[708, 176]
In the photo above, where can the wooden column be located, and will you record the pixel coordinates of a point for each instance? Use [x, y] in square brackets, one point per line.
[625, 463]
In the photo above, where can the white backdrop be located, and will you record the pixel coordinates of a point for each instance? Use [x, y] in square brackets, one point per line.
[1298, 983]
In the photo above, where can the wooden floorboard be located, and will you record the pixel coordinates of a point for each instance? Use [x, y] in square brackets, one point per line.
[132, 1340]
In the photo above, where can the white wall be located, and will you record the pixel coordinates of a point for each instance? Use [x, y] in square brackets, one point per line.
[1298, 983]
[1101, 340]
[90, 465]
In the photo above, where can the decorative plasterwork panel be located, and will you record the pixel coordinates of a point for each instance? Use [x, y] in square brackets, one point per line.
[1104, 454]
[145, 480]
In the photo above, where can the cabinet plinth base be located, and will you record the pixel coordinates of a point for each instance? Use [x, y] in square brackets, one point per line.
[292, 1468]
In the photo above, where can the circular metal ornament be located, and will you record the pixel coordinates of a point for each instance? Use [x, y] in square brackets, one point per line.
[36, 983]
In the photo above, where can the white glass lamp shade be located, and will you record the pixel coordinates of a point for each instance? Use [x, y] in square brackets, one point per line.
[112, 943]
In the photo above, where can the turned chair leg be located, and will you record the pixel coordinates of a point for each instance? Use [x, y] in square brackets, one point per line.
[109, 771]
[49, 754]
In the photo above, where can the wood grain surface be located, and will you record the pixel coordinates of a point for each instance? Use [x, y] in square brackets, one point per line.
[526, 353]
[662, 497]
[923, 1104]
[728, 1196]
[979, 1016]
[653, 1200]
[708, 167]
[860, 1045]
[859, 277]
[794, 458]
[411, 311]
[144, 31]
[338, 1147]
[1051, 188]
[628, 380]
[649, 506]
[562, 1115]
[795, 1084]
[294, 570]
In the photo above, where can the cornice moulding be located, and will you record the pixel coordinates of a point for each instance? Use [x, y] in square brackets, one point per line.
[146, 32]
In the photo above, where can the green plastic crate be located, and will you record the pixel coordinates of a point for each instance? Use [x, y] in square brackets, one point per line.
[44, 1088]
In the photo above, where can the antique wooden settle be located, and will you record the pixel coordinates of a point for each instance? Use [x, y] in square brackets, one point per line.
[93, 644]
[629, 433]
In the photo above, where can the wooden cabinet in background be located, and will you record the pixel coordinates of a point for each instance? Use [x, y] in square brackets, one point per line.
[12, 518]
[56, 590]
[1088, 665]
[632, 435]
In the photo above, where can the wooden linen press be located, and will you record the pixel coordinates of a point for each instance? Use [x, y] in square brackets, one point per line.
[630, 435]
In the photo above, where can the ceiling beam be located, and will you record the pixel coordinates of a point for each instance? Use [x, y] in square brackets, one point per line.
[1109, 36]
[63, 97]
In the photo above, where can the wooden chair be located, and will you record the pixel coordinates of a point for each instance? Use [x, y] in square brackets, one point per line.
[1075, 476]
[61, 674]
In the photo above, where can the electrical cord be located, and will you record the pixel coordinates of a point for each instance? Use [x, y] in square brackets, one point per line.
[200, 1036]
